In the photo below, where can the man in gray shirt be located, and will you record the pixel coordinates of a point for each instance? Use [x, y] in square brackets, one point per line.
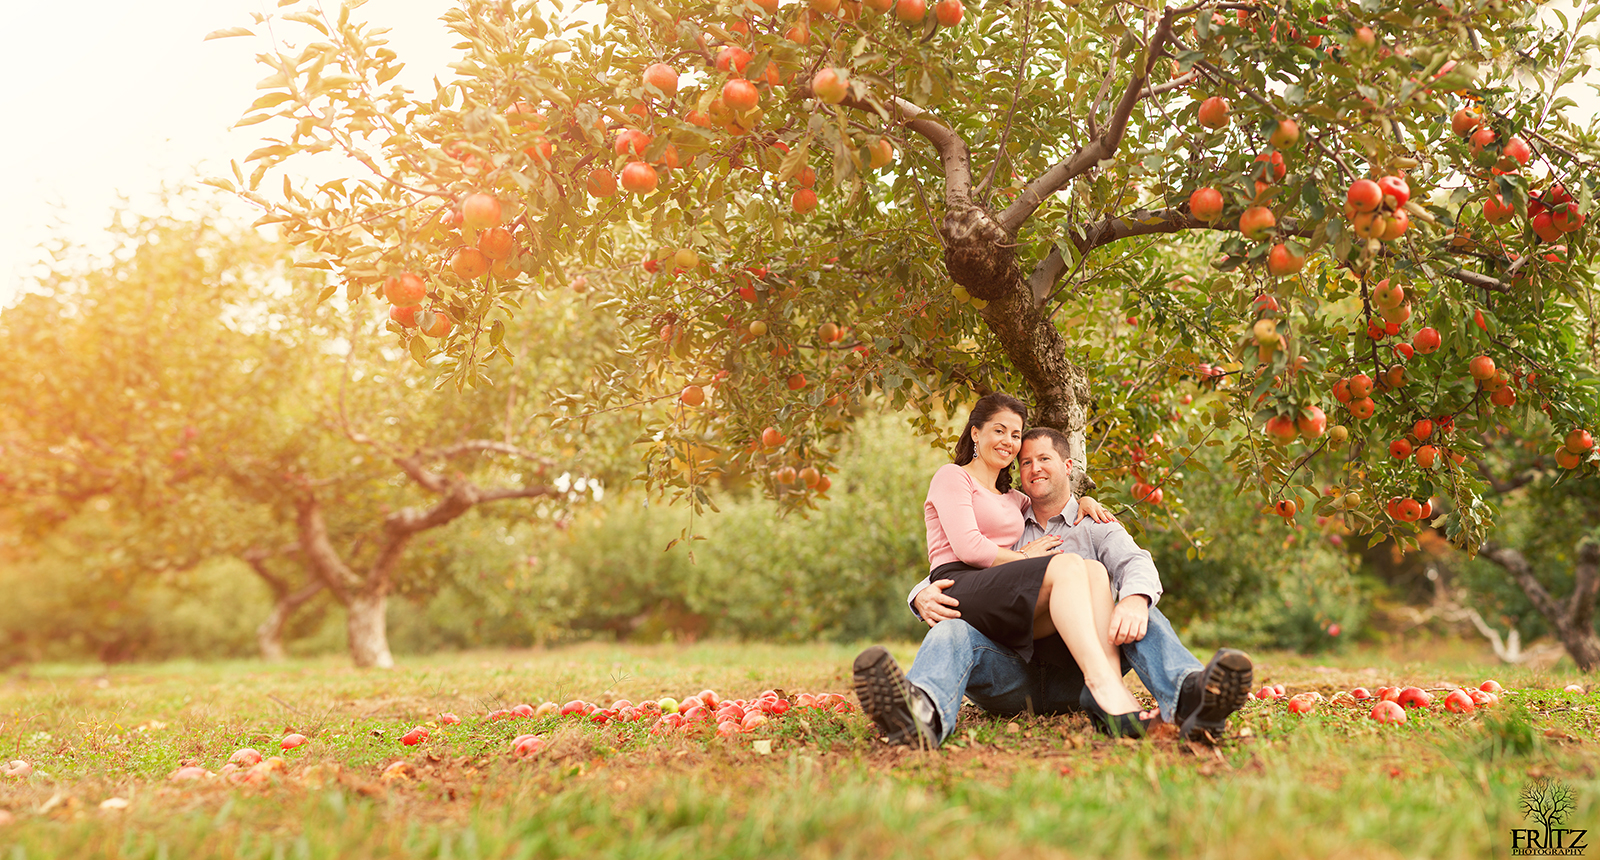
[955, 660]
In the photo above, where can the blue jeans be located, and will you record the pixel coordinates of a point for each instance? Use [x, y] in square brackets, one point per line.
[956, 660]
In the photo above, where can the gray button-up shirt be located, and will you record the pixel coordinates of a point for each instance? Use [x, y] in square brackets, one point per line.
[1131, 568]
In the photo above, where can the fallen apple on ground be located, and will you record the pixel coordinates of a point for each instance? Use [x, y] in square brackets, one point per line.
[1388, 712]
[245, 757]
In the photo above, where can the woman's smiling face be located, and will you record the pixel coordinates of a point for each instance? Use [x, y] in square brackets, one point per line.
[999, 440]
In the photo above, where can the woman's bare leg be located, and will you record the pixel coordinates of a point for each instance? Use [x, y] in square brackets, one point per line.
[1102, 602]
[1077, 604]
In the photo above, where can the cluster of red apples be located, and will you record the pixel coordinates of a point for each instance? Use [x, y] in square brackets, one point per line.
[1550, 214]
[1377, 209]
[493, 251]
[787, 476]
[1393, 701]
[729, 716]
[246, 766]
[736, 107]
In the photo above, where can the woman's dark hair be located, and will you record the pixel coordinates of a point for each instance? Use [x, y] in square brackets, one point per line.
[983, 412]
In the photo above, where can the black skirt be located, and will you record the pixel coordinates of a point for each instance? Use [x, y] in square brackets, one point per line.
[999, 602]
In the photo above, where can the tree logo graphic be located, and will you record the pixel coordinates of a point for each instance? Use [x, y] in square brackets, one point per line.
[1547, 803]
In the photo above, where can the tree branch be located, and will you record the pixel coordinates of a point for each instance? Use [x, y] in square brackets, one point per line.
[458, 498]
[415, 464]
[952, 148]
[257, 557]
[503, 493]
[1045, 275]
[321, 557]
[478, 446]
[1474, 279]
[1179, 82]
[1096, 150]
[1516, 564]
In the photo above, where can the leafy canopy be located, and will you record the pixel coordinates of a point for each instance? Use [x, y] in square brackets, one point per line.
[1135, 204]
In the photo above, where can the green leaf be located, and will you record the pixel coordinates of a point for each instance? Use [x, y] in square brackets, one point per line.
[228, 33]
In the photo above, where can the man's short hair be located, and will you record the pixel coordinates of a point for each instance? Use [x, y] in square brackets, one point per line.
[1058, 440]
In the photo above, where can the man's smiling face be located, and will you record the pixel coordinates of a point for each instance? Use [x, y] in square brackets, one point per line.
[1046, 476]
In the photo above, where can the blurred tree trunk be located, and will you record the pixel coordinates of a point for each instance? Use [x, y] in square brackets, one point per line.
[285, 601]
[367, 629]
[1574, 621]
[365, 594]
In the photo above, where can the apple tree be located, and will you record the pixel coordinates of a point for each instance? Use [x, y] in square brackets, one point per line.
[1353, 233]
[191, 388]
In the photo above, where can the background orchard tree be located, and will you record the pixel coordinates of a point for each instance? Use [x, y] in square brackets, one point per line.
[192, 390]
[1341, 221]
[144, 376]
[1549, 555]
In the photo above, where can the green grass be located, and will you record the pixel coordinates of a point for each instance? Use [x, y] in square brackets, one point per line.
[1332, 784]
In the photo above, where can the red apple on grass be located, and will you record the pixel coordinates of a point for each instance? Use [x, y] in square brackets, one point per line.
[1459, 702]
[1414, 697]
[1388, 713]
[245, 757]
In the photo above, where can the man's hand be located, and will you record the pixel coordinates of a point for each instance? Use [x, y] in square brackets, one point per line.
[1130, 618]
[1088, 507]
[934, 605]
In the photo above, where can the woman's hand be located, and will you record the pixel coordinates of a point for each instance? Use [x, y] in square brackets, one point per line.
[1088, 507]
[1046, 545]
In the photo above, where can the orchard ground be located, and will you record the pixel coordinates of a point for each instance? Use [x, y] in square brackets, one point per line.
[102, 743]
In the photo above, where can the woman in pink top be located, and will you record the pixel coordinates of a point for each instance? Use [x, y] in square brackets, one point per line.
[1014, 597]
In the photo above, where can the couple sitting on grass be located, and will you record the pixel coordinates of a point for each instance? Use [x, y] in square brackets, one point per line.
[1033, 609]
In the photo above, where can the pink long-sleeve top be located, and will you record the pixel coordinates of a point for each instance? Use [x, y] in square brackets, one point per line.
[967, 522]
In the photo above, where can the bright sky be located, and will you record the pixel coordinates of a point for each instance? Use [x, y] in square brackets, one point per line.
[111, 99]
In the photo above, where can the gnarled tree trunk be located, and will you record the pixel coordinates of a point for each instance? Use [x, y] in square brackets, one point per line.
[980, 249]
[1574, 622]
